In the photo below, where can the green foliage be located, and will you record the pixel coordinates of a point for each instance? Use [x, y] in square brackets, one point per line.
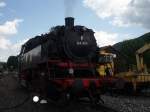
[3, 66]
[12, 62]
[129, 47]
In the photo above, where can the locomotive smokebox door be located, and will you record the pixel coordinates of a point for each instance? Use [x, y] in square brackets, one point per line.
[79, 47]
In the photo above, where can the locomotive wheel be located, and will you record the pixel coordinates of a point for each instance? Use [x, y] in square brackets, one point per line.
[29, 86]
[63, 100]
[21, 84]
[26, 83]
[95, 97]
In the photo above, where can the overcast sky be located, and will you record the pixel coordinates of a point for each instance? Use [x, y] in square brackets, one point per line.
[112, 20]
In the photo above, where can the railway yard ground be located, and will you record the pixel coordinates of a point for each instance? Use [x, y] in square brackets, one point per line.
[15, 99]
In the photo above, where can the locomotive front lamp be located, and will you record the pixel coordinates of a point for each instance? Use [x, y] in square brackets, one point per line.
[71, 71]
[35, 99]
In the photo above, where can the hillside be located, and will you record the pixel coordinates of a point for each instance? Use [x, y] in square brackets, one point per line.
[129, 47]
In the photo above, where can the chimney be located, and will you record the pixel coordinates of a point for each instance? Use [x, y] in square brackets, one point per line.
[69, 22]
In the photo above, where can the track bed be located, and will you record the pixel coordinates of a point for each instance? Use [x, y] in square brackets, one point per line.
[15, 99]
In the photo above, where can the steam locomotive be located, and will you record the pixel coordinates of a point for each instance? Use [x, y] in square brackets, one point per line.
[61, 64]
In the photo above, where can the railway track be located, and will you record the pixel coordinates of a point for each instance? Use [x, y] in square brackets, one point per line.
[107, 109]
[86, 107]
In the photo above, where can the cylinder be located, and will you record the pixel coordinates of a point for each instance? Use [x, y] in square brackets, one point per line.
[69, 22]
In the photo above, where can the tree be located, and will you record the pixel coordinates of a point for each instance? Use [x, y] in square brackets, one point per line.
[129, 48]
[12, 62]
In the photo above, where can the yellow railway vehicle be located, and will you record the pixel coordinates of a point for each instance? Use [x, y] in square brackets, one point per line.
[137, 79]
[141, 78]
[105, 61]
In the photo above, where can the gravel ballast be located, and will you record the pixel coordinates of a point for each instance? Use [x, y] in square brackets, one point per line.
[128, 103]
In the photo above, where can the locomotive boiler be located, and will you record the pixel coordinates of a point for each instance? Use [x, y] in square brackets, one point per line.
[61, 63]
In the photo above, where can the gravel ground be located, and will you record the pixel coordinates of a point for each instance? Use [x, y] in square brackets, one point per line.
[128, 103]
[11, 94]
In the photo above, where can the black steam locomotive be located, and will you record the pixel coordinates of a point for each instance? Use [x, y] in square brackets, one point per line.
[61, 63]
